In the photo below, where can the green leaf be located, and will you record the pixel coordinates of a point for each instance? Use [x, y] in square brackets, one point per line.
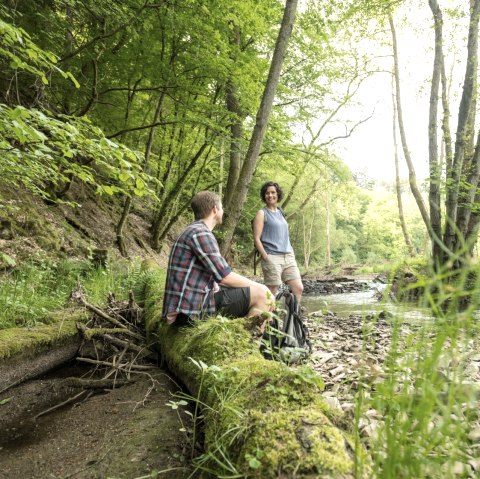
[5, 401]
[7, 260]
[125, 176]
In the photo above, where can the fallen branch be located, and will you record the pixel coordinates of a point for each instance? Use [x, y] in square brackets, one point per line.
[91, 333]
[140, 350]
[78, 295]
[139, 367]
[58, 406]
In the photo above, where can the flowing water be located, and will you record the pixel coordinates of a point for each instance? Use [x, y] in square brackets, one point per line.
[363, 303]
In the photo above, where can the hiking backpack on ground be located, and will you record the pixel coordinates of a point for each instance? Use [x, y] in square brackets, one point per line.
[286, 338]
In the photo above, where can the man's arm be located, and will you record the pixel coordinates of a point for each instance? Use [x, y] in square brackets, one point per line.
[205, 248]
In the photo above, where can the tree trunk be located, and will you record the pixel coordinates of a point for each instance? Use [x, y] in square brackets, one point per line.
[397, 180]
[176, 189]
[128, 200]
[236, 131]
[221, 168]
[453, 239]
[248, 167]
[328, 238]
[306, 245]
[471, 163]
[434, 198]
[121, 225]
[411, 170]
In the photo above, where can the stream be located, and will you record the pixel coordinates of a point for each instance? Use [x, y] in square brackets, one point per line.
[363, 303]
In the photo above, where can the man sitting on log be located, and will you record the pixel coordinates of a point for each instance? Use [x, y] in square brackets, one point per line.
[199, 281]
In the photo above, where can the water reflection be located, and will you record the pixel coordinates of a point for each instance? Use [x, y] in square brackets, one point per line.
[364, 303]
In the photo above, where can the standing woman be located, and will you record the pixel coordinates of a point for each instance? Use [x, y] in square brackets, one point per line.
[270, 234]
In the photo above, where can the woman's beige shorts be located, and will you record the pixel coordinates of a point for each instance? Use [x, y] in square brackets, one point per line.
[279, 267]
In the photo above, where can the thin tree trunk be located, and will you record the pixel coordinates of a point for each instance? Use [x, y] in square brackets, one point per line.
[171, 216]
[447, 134]
[411, 170]
[433, 157]
[306, 249]
[173, 193]
[328, 238]
[151, 134]
[397, 179]
[248, 167]
[222, 163]
[120, 226]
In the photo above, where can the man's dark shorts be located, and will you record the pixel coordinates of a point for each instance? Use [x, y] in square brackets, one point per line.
[232, 302]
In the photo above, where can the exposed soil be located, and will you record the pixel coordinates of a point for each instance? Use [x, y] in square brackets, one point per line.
[128, 432]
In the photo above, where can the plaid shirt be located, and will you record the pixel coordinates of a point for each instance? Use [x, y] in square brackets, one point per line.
[194, 268]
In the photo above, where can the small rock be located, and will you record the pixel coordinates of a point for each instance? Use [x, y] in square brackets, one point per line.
[332, 402]
[475, 463]
[474, 435]
[336, 371]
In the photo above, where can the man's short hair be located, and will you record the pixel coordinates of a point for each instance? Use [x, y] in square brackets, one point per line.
[203, 203]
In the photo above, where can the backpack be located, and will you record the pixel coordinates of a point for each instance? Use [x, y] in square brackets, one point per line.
[286, 338]
[256, 253]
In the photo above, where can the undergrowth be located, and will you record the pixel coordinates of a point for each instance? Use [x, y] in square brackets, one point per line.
[29, 293]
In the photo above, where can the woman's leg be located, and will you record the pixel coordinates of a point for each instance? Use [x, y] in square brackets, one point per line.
[291, 276]
[272, 273]
[296, 286]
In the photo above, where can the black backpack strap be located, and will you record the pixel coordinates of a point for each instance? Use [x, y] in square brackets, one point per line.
[256, 254]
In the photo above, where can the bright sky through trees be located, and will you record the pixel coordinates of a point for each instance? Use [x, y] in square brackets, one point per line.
[370, 148]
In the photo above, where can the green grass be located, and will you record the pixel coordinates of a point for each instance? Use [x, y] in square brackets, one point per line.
[29, 293]
[426, 405]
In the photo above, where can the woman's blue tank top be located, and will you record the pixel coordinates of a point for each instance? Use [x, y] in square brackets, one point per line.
[275, 238]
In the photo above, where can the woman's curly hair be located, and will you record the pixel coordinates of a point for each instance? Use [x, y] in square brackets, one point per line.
[263, 190]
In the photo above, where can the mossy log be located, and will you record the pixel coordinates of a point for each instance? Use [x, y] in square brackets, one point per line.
[262, 418]
[26, 353]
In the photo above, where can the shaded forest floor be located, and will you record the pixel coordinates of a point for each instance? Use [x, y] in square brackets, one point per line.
[131, 432]
[128, 433]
